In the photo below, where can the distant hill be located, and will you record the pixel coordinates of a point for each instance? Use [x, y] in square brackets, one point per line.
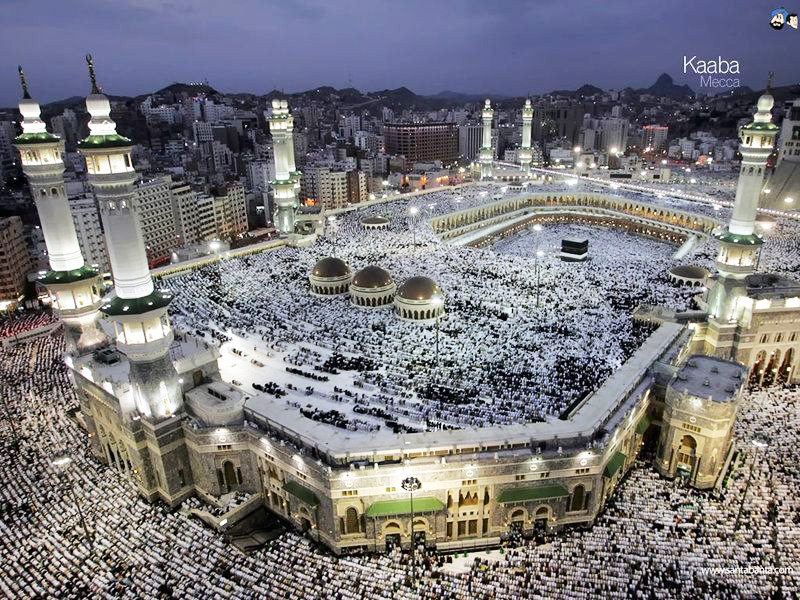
[664, 86]
[585, 90]
[187, 88]
[461, 98]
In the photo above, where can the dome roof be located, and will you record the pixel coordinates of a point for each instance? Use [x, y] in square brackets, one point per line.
[689, 272]
[372, 277]
[419, 288]
[330, 266]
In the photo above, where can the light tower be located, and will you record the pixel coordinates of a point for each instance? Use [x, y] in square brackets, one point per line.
[74, 288]
[137, 311]
[739, 245]
[525, 155]
[486, 154]
[281, 126]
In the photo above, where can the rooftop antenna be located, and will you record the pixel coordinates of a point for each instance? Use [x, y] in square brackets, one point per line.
[25, 93]
[92, 75]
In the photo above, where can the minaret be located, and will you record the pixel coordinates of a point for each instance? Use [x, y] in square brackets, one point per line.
[486, 155]
[137, 311]
[739, 244]
[73, 287]
[293, 172]
[525, 155]
[281, 126]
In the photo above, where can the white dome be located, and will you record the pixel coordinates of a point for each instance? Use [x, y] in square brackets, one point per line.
[765, 103]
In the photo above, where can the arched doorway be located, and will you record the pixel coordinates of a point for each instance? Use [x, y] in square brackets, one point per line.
[391, 534]
[229, 473]
[758, 368]
[577, 500]
[687, 454]
[540, 521]
[352, 522]
[420, 530]
[771, 369]
[786, 366]
[517, 523]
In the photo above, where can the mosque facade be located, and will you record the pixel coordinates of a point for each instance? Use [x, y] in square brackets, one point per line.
[156, 408]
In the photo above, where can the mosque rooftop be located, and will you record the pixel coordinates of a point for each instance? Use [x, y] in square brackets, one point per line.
[709, 377]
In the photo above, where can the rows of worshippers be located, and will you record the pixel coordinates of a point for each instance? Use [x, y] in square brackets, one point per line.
[655, 538]
[521, 339]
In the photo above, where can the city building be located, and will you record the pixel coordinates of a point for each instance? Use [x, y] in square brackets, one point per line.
[655, 137]
[156, 218]
[420, 142]
[15, 261]
[469, 141]
[86, 218]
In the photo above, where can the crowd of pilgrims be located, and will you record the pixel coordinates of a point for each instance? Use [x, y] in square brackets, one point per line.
[16, 323]
[502, 356]
[655, 538]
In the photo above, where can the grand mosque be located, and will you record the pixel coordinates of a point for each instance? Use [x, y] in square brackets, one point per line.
[158, 407]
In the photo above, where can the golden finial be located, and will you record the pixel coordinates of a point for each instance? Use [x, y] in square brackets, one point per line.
[92, 76]
[769, 80]
[25, 93]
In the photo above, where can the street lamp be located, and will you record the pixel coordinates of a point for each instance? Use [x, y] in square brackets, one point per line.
[437, 303]
[759, 445]
[413, 212]
[539, 254]
[331, 221]
[60, 464]
[411, 485]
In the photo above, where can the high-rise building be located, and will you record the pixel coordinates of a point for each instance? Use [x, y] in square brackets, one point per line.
[614, 134]
[557, 120]
[154, 201]
[655, 137]
[86, 218]
[7, 154]
[469, 141]
[230, 212]
[357, 187]
[331, 188]
[422, 142]
[15, 261]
